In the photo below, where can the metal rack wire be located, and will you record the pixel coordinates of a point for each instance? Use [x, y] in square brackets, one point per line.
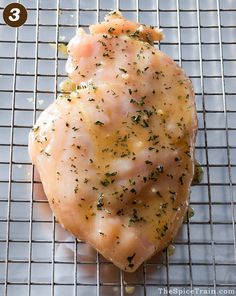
[200, 36]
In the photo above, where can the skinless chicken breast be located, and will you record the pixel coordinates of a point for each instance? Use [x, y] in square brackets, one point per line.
[116, 157]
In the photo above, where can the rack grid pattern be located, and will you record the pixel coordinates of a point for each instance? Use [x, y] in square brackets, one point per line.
[36, 256]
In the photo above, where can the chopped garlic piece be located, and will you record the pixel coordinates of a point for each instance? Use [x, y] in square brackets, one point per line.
[62, 48]
[189, 214]
[170, 250]
[129, 289]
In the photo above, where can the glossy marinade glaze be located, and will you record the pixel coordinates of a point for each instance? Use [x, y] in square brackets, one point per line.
[116, 157]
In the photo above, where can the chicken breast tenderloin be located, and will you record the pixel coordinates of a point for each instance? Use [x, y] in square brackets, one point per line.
[116, 157]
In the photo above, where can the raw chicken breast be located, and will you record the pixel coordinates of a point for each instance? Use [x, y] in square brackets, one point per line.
[116, 157]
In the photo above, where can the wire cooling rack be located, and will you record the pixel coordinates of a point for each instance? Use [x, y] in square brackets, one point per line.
[36, 256]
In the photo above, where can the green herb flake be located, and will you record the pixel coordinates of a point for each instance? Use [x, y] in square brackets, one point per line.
[76, 188]
[111, 30]
[130, 259]
[99, 123]
[122, 70]
[138, 72]
[105, 182]
[132, 182]
[35, 129]
[136, 118]
[108, 174]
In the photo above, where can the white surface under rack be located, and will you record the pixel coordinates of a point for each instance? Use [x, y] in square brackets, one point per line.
[36, 256]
